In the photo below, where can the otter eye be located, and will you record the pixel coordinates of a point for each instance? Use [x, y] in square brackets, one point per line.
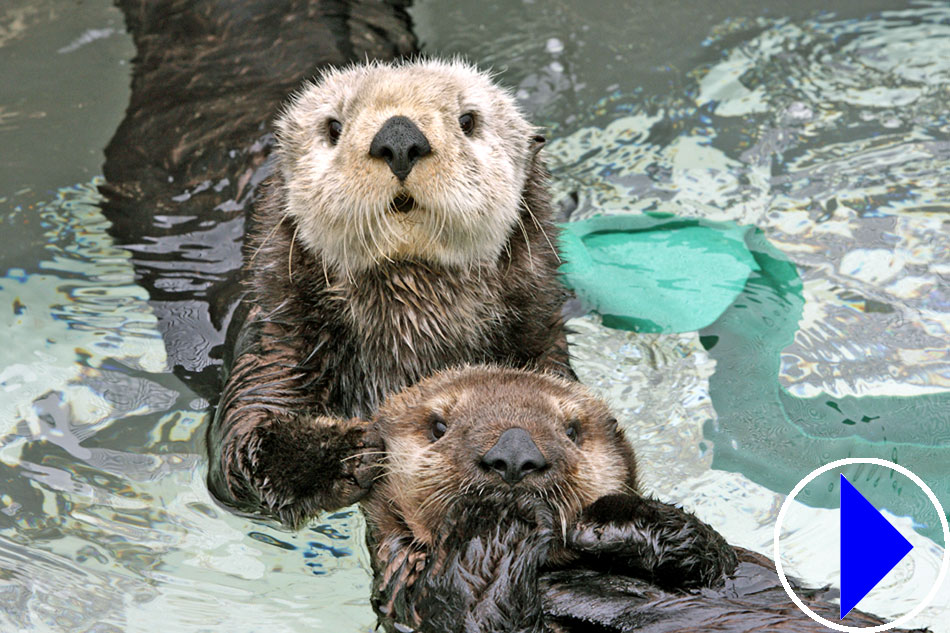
[572, 431]
[437, 426]
[334, 128]
[467, 123]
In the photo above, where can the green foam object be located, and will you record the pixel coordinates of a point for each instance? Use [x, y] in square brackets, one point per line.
[661, 273]
[656, 273]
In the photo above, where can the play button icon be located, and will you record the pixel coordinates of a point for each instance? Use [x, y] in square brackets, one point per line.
[870, 546]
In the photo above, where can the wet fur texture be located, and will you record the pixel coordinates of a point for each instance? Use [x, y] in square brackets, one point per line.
[325, 335]
[456, 548]
[750, 600]
[481, 574]
[523, 558]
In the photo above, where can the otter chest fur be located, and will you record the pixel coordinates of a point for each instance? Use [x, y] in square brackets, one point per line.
[389, 327]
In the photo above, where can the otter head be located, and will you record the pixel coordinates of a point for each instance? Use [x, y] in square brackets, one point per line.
[421, 160]
[504, 434]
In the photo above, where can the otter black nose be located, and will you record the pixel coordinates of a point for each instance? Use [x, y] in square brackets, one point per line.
[400, 143]
[514, 455]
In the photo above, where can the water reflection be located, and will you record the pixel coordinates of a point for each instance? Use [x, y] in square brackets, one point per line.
[105, 521]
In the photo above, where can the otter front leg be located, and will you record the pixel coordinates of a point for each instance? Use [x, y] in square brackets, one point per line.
[303, 465]
[292, 468]
[653, 539]
[266, 454]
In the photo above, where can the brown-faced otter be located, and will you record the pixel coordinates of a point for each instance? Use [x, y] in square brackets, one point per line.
[508, 503]
[406, 229]
[487, 475]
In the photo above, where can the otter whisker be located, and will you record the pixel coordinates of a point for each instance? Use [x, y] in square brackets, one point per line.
[365, 454]
[290, 255]
[541, 229]
[326, 276]
[508, 254]
[442, 217]
[577, 503]
[440, 496]
[363, 243]
[387, 219]
[561, 508]
[527, 243]
[269, 235]
[437, 503]
[373, 234]
[346, 260]
[356, 214]
[384, 470]
[434, 236]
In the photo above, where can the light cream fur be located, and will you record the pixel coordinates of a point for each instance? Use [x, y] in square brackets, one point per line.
[467, 191]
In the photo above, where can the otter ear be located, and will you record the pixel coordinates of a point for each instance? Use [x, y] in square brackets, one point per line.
[535, 143]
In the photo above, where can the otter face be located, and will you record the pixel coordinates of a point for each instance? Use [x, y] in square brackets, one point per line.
[422, 160]
[499, 433]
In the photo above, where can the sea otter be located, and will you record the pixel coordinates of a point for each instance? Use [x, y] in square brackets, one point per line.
[508, 502]
[406, 229]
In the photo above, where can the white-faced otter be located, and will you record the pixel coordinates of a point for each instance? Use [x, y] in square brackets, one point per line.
[407, 229]
[508, 503]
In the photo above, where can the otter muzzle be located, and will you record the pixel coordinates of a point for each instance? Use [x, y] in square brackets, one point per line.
[400, 143]
[514, 456]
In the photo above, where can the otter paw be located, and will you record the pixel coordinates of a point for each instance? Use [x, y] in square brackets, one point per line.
[648, 537]
[301, 467]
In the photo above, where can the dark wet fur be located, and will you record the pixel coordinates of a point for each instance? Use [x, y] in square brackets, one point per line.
[636, 535]
[483, 574]
[750, 600]
[303, 370]
[490, 571]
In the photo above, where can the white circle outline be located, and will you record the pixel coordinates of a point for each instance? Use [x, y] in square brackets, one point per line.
[944, 565]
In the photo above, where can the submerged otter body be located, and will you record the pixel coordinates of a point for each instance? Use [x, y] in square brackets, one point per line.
[509, 503]
[406, 229]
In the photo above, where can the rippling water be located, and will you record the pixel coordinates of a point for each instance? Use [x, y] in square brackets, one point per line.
[828, 131]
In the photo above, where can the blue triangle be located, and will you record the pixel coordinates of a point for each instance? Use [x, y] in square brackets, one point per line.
[870, 546]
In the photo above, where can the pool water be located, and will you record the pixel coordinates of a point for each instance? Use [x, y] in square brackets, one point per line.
[827, 131]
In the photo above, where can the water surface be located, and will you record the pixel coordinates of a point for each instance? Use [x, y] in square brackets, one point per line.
[828, 131]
